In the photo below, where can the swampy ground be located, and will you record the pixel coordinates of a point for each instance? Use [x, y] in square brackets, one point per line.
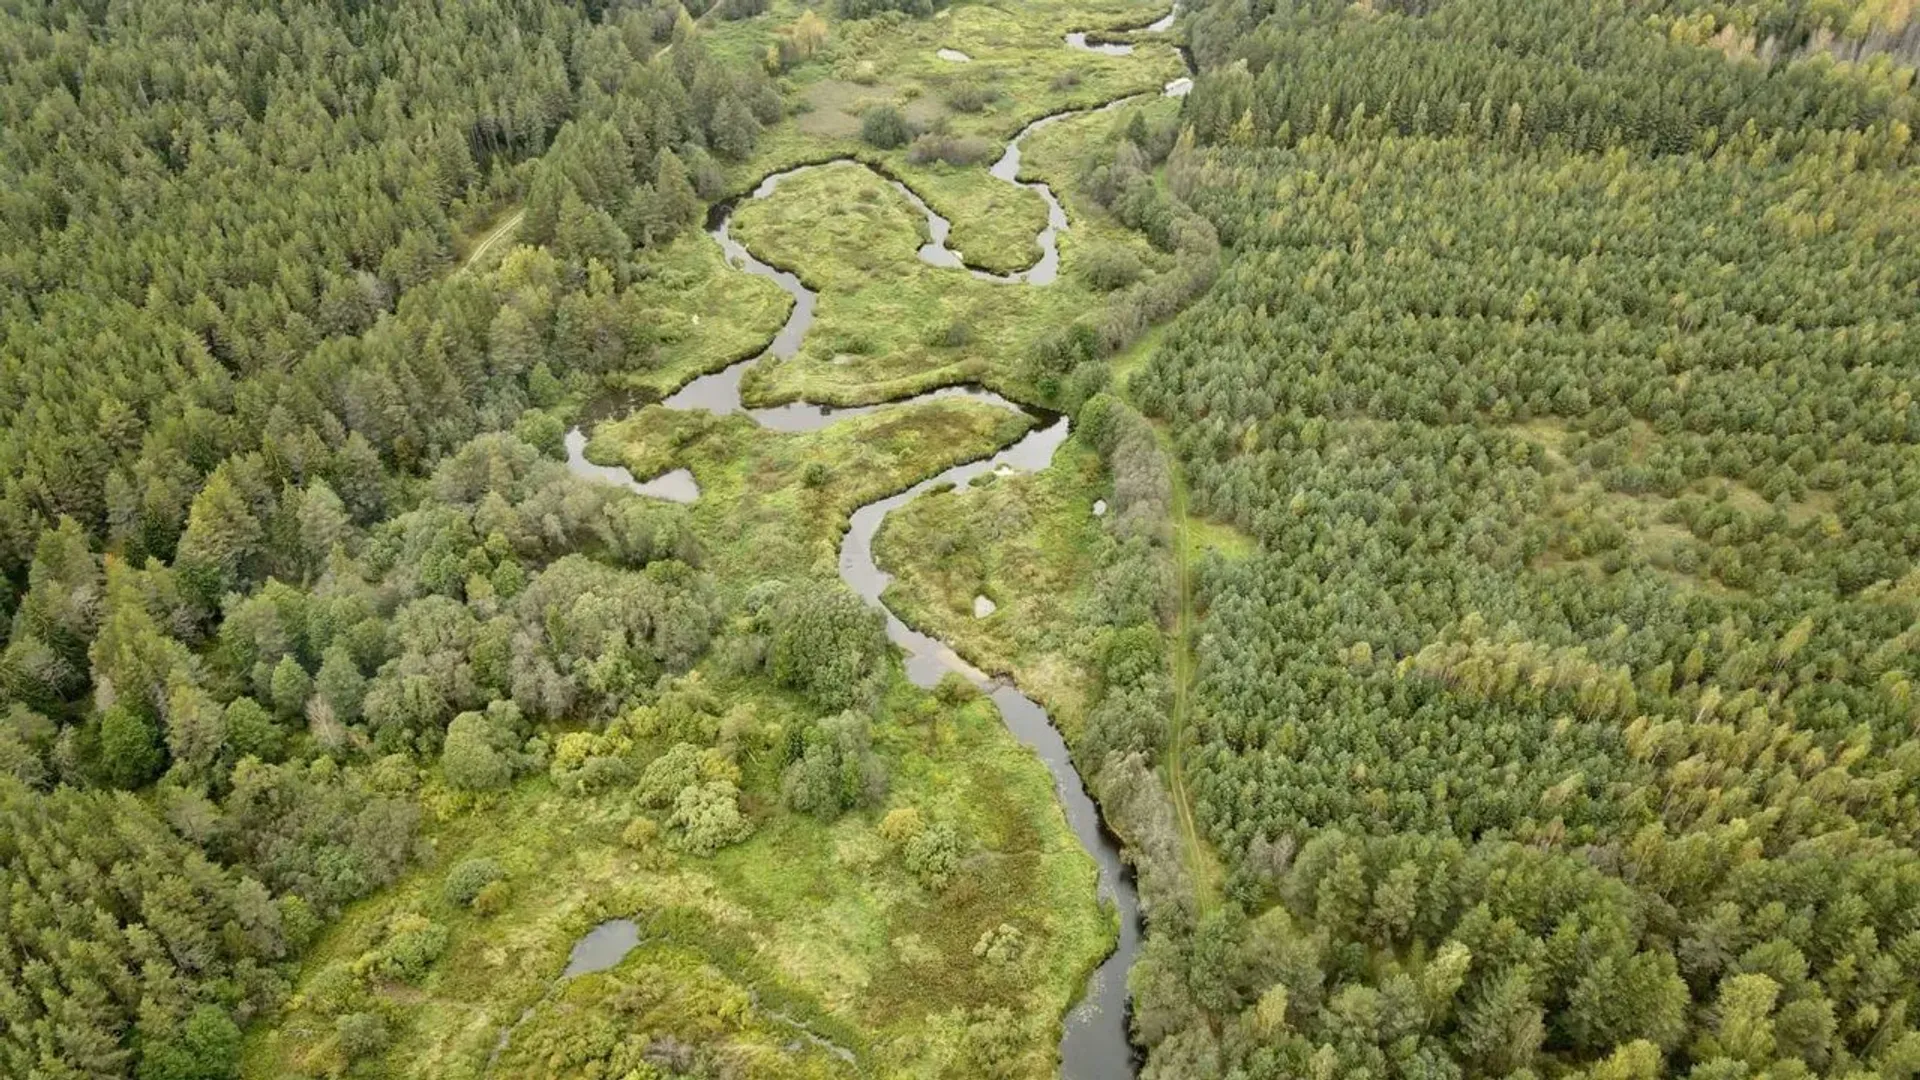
[808, 939]
[774, 502]
[818, 923]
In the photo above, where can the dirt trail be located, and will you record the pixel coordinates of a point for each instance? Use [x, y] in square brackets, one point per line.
[500, 232]
[1201, 864]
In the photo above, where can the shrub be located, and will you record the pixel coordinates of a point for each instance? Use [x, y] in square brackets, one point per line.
[482, 750]
[708, 817]
[666, 776]
[334, 990]
[901, 825]
[413, 943]
[933, 855]
[491, 900]
[641, 834]
[950, 149]
[1108, 267]
[362, 1034]
[464, 882]
[1003, 944]
[885, 127]
[835, 769]
[971, 97]
[542, 430]
[955, 689]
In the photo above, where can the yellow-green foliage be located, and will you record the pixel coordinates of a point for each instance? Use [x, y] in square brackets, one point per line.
[703, 313]
[758, 514]
[804, 923]
[887, 324]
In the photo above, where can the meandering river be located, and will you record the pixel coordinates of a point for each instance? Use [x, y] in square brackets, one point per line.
[1095, 1043]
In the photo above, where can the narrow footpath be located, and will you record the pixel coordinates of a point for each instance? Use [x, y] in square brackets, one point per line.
[1202, 867]
[500, 232]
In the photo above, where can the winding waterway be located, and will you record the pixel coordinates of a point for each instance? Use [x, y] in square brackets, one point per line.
[1095, 1042]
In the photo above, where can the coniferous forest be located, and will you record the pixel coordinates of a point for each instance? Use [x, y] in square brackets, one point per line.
[1453, 483]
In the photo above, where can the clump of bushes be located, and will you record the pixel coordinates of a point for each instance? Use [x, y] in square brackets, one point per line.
[1108, 267]
[465, 881]
[971, 97]
[932, 855]
[642, 835]
[707, 817]
[1002, 944]
[902, 824]
[833, 767]
[412, 943]
[361, 1034]
[666, 776]
[950, 149]
[885, 127]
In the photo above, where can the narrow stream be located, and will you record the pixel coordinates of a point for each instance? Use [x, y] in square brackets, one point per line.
[1095, 1043]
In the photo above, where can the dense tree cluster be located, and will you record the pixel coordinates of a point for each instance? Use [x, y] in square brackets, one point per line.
[1119, 173]
[225, 236]
[288, 741]
[257, 547]
[1135, 599]
[1590, 75]
[1562, 722]
[123, 945]
[819, 638]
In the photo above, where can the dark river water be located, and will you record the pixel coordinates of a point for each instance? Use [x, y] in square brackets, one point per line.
[1095, 1043]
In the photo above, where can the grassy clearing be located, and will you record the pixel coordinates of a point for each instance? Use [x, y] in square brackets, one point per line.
[1020, 52]
[776, 504]
[1027, 542]
[704, 314]
[887, 325]
[1021, 70]
[806, 923]
[994, 223]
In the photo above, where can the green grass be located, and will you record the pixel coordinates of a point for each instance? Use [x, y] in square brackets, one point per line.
[809, 922]
[1018, 49]
[1018, 53]
[758, 514]
[704, 313]
[887, 324]
[1027, 542]
[994, 223]
[1057, 153]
